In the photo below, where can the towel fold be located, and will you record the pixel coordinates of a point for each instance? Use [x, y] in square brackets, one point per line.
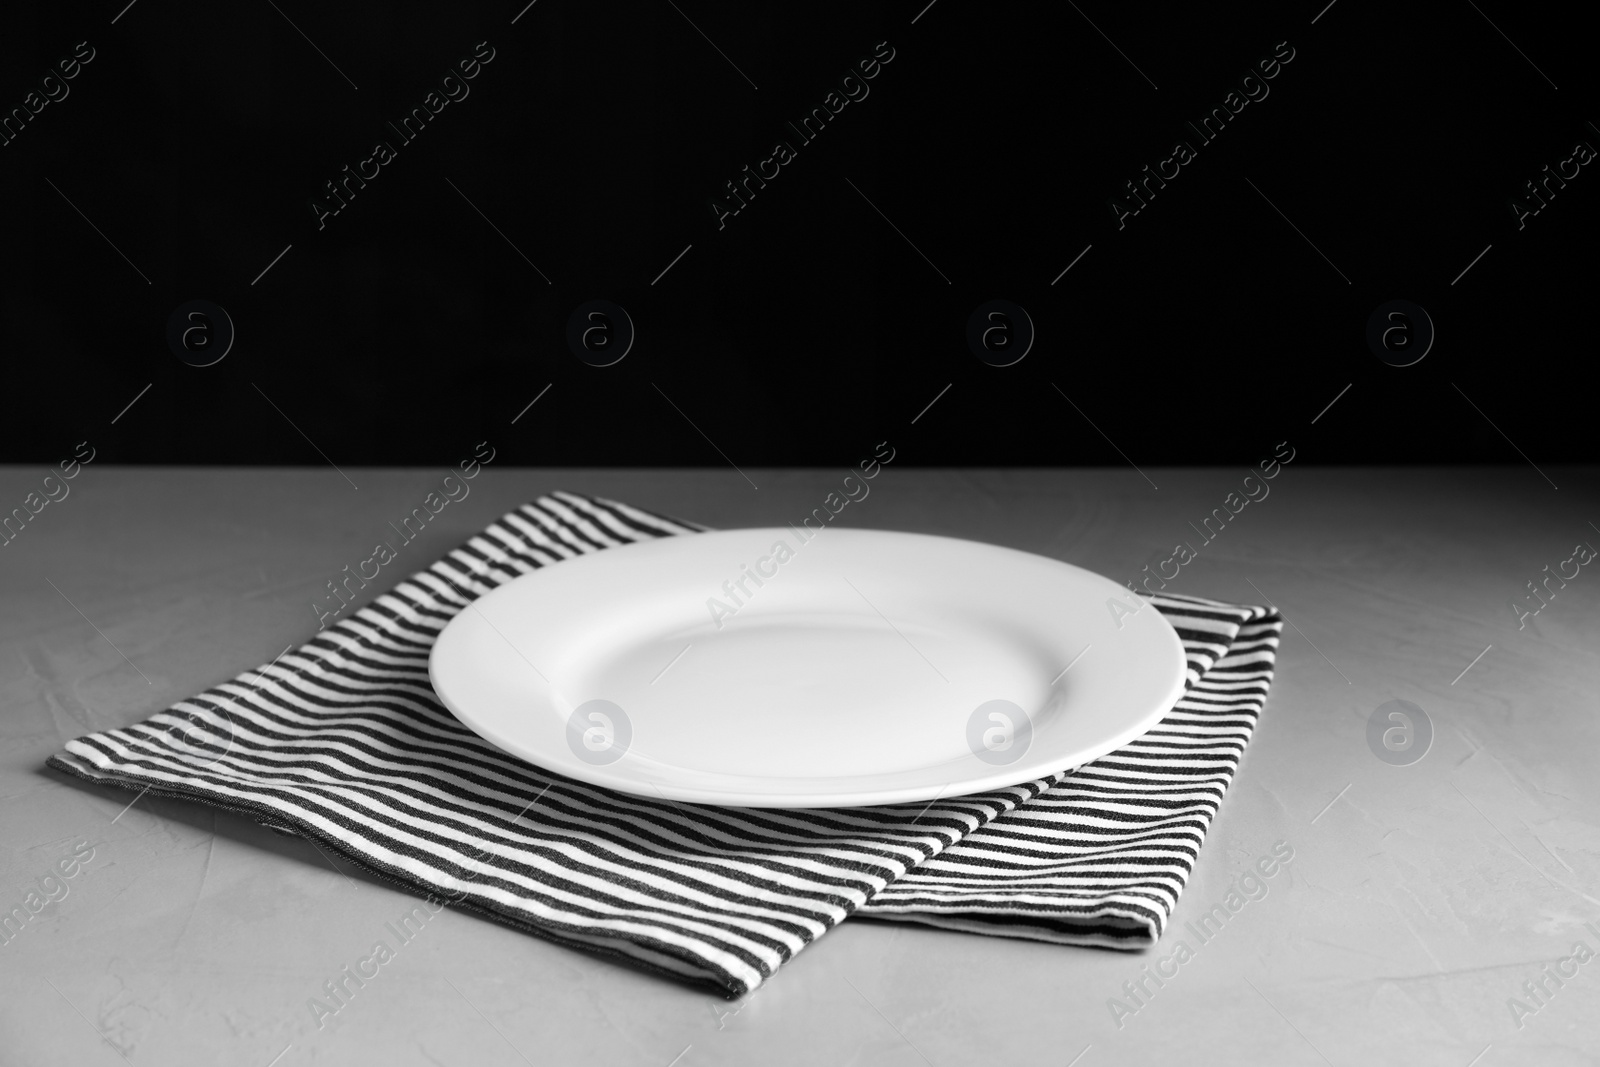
[343, 741]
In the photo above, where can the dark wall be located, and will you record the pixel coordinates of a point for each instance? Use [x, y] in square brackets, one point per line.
[826, 315]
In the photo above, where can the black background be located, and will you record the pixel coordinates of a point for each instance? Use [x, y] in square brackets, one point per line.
[808, 329]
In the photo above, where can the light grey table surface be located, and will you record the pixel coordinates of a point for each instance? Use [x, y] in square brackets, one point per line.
[1419, 900]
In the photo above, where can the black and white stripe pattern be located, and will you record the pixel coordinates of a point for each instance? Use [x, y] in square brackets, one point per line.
[1100, 857]
[342, 741]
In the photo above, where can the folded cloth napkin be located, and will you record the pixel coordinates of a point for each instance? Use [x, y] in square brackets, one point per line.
[342, 741]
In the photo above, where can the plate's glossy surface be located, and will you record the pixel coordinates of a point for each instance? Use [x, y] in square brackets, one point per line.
[754, 667]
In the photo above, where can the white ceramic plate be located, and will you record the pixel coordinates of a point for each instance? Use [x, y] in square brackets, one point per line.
[866, 667]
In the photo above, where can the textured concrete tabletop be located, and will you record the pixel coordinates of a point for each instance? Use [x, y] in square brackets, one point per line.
[1430, 914]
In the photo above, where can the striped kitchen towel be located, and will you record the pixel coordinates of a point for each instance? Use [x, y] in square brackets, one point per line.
[342, 741]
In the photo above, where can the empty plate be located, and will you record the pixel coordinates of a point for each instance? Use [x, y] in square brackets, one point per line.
[799, 668]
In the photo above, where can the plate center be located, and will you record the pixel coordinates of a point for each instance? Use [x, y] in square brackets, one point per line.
[784, 693]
